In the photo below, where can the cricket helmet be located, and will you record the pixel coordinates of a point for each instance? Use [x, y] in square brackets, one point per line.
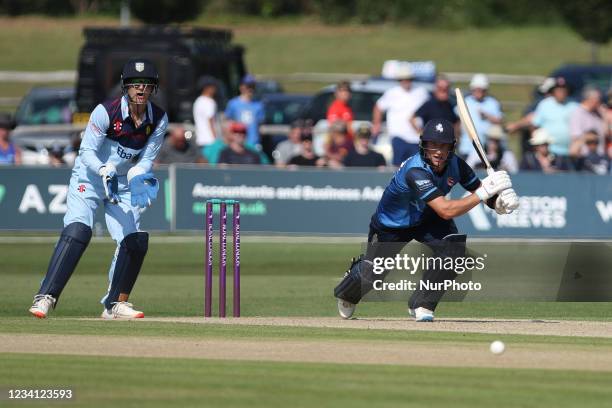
[139, 68]
[439, 131]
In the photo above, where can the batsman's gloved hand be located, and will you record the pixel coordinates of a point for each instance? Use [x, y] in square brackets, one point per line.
[108, 172]
[493, 184]
[143, 187]
[507, 202]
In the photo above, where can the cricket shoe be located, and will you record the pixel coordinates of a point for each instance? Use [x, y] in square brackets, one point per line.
[41, 305]
[346, 309]
[411, 312]
[423, 315]
[122, 310]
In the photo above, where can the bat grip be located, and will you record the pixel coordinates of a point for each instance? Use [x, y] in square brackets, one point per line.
[490, 170]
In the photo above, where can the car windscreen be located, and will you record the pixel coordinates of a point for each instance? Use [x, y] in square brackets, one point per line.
[283, 112]
[46, 110]
[362, 104]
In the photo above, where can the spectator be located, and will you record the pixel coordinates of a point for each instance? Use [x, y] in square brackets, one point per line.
[245, 110]
[236, 152]
[541, 159]
[308, 156]
[553, 114]
[438, 106]
[204, 111]
[179, 147]
[585, 150]
[525, 124]
[9, 152]
[291, 147]
[588, 116]
[484, 109]
[340, 109]
[213, 151]
[338, 145]
[361, 155]
[56, 155]
[499, 157]
[400, 103]
[72, 151]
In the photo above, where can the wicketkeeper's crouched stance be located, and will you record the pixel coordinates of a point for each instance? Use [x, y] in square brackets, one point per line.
[413, 206]
[121, 140]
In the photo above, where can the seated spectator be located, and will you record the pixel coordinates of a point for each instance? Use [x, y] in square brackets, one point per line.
[338, 145]
[361, 155]
[291, 147]
[553, 114]
[236, 152]
[71, 152]
[499, 157]
[340, 109]
[177, 148]
[307, 157]
[541, 158]
[588, 117]
[438, 106]
[10, 154]
[56, 156]
[213, 151]
[587, 155]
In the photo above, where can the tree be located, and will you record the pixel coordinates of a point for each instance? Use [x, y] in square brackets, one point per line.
[166, 11]
[591, 20]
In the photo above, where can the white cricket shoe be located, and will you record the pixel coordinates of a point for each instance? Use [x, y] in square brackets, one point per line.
[346, 309]
[41, 305]
[423, 315]
[122, 310]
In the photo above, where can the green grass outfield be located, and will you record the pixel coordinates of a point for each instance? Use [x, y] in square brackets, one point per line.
[279, 279]
[289, 45]
[181, 382]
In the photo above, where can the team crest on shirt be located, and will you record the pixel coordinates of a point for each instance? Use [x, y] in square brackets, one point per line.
[148, 130]
[81, 188]
[450, 181]
[117, 126]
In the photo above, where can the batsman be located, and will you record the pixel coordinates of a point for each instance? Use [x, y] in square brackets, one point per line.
[414, 207]
[113, 168]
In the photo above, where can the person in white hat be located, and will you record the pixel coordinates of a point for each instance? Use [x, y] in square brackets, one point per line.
[400, 103]
[541, 158]
[553, 114]
[484, 109]
[499, 156]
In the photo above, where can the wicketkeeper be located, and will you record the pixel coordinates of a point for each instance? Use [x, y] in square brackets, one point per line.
[121, 140]
[413, 206]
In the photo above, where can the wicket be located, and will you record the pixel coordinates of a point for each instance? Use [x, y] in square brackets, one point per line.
[208, 281]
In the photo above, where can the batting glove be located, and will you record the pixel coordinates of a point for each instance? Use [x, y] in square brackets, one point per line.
[507, 202]
[108, 172]
[493, 184]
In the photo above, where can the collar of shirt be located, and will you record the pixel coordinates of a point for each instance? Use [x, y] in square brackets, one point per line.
[125, 109]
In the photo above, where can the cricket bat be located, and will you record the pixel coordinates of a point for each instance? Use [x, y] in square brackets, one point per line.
[466, 119]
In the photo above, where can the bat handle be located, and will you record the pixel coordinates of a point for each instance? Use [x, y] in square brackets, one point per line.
[490, 170]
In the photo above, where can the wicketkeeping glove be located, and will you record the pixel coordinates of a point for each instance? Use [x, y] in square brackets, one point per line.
[108, 172]
[506, 202]
[493, 184]
[143, 188]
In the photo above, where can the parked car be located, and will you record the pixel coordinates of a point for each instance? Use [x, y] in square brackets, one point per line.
[364, 95]
[44, 123]
[578, 76]
[46, 106]
[280, 111]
